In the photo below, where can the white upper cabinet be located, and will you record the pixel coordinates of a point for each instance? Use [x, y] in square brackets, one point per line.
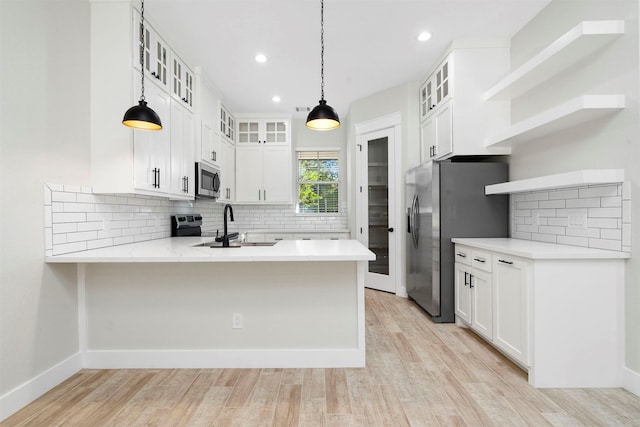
[181, 81]
[124, 160]
[227, 125]
[152, 149]
[454, 118]
[156, 52]
[182, 157]
[263, 161]
[263, 131]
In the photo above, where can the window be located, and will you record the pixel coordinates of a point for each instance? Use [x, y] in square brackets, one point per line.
[318, 183]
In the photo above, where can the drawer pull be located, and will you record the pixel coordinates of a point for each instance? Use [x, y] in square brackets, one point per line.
[479, 259]
[461, 255]
[505, 262]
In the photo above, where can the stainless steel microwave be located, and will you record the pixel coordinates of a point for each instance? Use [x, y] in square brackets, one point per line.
[207, 182]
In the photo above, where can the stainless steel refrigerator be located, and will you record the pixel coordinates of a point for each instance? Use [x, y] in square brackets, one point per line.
[445, 200]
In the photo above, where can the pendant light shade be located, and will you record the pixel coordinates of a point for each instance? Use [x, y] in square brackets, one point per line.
[322, 117]
[141, 116]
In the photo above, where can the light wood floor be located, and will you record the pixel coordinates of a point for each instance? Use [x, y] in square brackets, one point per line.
[418, 373]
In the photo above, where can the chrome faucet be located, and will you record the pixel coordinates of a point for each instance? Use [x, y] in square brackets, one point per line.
[225, 236]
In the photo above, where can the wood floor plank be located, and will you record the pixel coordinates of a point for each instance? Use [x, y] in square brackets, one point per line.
[337, 392]
[418, 373]
[243, 387]
[288, 405]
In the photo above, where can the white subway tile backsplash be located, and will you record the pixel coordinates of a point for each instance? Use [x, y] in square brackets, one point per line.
[611, 234]
[541, 195]
[583, 232]
[69, 247]
[527, 205]
[607, 209]
[613, 245]
[599, 191]
[99, 243]
[563, 194]
[552, 204]
[583, 203]
[548, 238]
[122, 240]
[573, 241]
[68, 217]
[605, 212]
[59, 196]
[602, 222]
[78, 220]
[548, 229]
[90, 226]
[608, 202]
[78, 207]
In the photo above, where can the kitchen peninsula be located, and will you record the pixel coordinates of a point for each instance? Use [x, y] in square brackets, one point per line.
[169, 303]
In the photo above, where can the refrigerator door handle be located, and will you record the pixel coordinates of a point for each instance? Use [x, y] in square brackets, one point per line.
[416, 223]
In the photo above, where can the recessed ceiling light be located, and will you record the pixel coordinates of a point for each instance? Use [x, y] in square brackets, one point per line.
[261, 58]
[424, 36]
[276, 98]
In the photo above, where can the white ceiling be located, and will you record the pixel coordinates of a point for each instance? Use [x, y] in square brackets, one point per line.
[370, 45]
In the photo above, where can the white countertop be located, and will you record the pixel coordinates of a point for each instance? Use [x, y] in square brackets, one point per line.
[539, 250]
[181, 249]
[298, 231]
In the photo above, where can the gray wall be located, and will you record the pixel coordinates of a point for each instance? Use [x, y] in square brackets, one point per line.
[44, 137]
[605, 143]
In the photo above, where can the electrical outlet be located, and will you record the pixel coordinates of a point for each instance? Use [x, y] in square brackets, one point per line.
[577, 219]
[236, 321]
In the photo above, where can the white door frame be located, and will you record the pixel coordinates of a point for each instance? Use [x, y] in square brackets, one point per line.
[391, 123]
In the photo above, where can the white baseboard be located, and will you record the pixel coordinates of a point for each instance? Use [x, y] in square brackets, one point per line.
[259, 358]
[21, 396]
[631, 381]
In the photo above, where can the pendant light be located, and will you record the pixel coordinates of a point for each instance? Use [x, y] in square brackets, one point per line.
[140, 116]
[322, 117]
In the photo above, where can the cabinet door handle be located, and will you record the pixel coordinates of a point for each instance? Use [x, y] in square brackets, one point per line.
[156, 178]
[505, 262]
[259, 195]
[461, 255]
[264, 192]
[465, 278]
[479, 259]
[470, 280]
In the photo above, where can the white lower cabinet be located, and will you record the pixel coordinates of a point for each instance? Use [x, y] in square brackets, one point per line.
[511, 302]
[492, 298]
[555, 313]
[473, 291]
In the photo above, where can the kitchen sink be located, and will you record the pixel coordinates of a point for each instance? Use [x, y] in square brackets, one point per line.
[234, 244]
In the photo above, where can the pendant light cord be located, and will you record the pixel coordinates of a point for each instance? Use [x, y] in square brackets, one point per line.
[322, 49]
[142, 48]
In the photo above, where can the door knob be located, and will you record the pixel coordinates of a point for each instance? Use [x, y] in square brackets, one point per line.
[391, 230]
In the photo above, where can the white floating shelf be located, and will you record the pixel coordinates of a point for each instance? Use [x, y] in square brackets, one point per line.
[582, 40]
[562, 180]
[578, 110]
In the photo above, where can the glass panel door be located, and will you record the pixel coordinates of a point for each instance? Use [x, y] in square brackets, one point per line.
[378, 206]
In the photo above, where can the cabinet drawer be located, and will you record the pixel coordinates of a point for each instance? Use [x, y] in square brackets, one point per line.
[481, 260]
[463, 255]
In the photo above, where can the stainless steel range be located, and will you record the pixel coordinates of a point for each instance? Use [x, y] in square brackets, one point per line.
[186, 225]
